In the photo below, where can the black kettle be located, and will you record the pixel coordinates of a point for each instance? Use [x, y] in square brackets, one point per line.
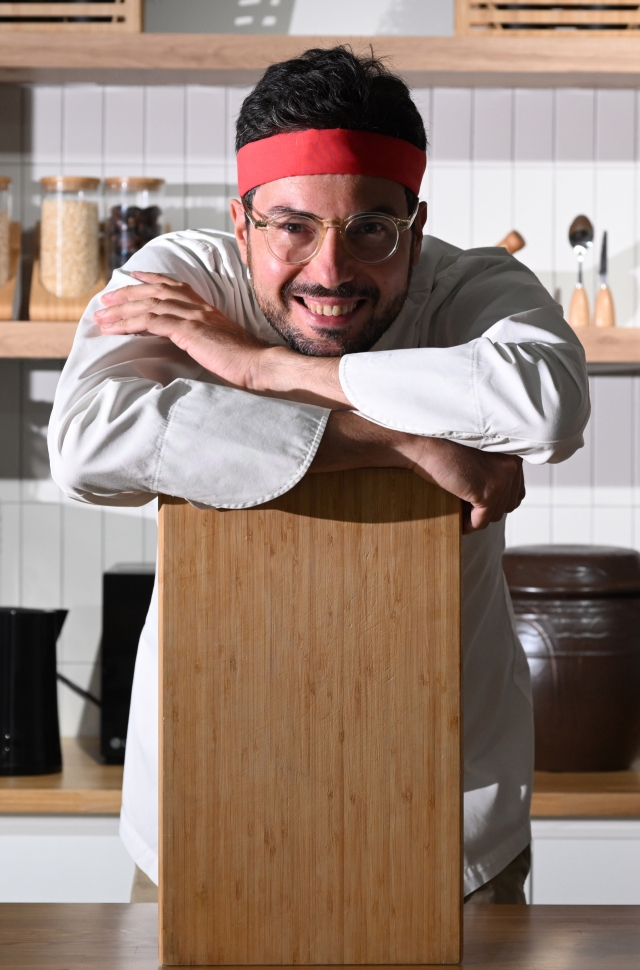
[29, 730]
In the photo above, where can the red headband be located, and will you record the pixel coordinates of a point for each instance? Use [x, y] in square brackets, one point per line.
[330, 151]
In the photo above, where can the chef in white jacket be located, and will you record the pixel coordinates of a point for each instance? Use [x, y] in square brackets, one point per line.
[326, 333]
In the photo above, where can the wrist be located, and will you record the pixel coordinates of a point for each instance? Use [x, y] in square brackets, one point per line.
[285, 373]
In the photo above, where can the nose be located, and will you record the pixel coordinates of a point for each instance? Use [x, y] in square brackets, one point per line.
[333, 264]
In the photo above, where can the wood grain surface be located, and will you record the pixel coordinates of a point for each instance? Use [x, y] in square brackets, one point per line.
[22, 338]
[83, 787]
[555, 59]
[310, 797]
[7, 292]
[116, 936]
[589, 794]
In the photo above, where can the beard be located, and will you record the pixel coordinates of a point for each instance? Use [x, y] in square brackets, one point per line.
[332, 341]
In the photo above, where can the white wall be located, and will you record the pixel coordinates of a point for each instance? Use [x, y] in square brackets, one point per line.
[529, 159]
[357, 17]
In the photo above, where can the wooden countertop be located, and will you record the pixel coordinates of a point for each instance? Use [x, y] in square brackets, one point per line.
[117, 936]
[85, 787]
[606, 794]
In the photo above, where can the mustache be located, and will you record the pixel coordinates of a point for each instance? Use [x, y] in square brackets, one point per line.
[346, 291]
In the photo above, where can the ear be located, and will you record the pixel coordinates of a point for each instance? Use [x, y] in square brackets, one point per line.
[418, 233]
[240, 227]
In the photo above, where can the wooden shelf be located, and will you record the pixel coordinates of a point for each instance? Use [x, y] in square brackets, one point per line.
[549, 61]
[28, 338]
[615, 345]
[606, 794]
[85, 786]
[25, 338]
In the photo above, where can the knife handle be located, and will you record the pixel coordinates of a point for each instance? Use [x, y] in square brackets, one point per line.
[512, 242]
[579, 315]
[604, 314]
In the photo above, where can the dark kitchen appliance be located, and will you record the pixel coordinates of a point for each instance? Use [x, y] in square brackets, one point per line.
[126, 594]
[578, 616]
[28, 691]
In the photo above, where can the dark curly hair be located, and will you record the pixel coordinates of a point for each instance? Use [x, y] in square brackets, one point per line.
[330, 88]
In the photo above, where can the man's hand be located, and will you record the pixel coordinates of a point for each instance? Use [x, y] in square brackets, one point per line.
[489, 485]
[169, 308]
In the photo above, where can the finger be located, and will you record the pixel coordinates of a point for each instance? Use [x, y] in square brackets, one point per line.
[163, 290]
[479, 518]
[156, 278]
[517, 489]
[150, 305]
[161, 326]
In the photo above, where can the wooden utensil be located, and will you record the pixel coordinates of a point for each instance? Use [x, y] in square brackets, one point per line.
[581, 238]
[512, 242]
[604, 314]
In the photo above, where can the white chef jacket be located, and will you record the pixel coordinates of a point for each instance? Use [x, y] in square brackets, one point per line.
[479, 354]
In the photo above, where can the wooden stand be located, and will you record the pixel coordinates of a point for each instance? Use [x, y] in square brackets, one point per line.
[310, 808]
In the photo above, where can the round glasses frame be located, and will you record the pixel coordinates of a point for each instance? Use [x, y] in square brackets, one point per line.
[263, 225]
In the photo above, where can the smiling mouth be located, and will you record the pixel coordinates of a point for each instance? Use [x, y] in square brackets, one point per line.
[329, 309]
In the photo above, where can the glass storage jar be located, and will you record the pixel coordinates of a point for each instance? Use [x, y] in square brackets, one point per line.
[69, 228]
[134, 216]
[5, 228]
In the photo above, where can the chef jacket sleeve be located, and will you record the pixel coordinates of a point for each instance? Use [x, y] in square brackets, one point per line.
[511, 376]
[134, 416]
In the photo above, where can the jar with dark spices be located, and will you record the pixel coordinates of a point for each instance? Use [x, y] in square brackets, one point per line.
[134, 217]
[577, 612]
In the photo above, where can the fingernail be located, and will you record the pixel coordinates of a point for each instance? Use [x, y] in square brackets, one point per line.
[107, 323]
[99, 313]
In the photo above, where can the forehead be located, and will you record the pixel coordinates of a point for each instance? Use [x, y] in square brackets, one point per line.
[332, 196]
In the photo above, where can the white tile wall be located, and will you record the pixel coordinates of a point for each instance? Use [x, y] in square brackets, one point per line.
[499, 159]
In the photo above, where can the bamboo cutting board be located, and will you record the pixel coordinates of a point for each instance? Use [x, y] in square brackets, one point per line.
[310, 804]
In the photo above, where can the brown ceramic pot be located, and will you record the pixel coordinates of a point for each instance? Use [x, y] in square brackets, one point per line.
[578, 616]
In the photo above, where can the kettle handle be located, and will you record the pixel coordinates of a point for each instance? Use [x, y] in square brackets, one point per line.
[59, 616]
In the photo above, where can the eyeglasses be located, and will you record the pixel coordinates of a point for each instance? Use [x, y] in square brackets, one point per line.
[294, 237]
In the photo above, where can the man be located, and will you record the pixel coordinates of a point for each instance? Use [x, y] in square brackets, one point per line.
[328, 335]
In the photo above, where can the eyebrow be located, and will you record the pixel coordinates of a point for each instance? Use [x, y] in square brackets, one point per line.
[279, 210]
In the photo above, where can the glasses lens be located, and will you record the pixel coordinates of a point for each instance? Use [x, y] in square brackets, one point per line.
[293, 238]
[371, 238]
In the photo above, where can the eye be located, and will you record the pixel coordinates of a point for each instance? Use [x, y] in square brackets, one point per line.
[370, 227]
[295, 227]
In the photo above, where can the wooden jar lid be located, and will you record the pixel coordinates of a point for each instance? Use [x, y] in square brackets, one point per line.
[5, 182]
[572, 571]
[69, 183]
[134, 183]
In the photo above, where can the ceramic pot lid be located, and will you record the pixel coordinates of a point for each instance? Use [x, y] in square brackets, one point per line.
[553, 571]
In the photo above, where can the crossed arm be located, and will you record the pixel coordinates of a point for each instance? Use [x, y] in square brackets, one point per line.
[489, 484]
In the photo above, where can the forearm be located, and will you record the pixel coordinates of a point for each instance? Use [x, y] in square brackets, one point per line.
[280, 372]
[350, 441]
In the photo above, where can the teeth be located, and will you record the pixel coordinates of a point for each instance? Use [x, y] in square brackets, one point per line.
[324, 310]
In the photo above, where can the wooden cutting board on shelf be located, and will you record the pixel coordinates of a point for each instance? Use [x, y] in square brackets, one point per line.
[8, 291]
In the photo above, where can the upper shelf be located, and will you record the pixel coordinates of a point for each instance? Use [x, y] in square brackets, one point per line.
[564, 60]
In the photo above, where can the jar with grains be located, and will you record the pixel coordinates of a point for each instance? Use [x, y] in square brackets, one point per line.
[5, 229]
[134, 216]
[69, 246]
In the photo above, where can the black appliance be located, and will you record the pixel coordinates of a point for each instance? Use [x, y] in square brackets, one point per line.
[28, 691]
[126, 594]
